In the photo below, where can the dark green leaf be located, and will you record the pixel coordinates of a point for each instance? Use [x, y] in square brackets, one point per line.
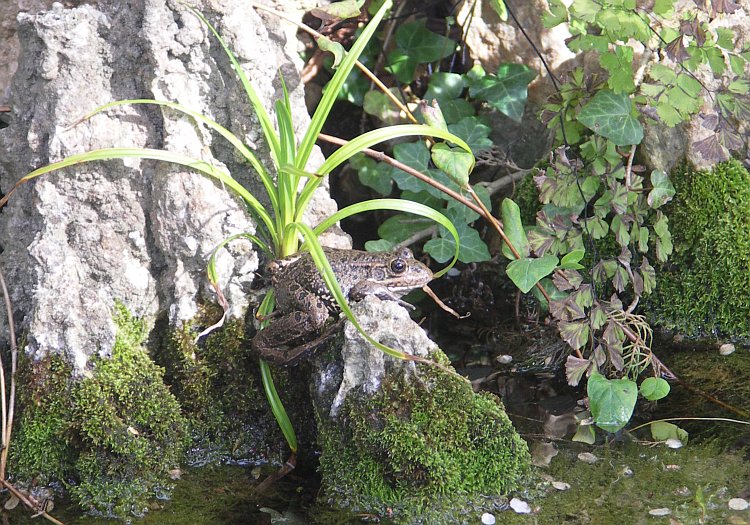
[440, 249]
[611, 401]
[609, 114]
[444, 87]
[506, 91]
[473, 132]
[526, 272]
[402, 65]
[380, 245]
[421, 44]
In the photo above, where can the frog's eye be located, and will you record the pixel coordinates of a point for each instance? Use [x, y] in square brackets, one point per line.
[398, 265]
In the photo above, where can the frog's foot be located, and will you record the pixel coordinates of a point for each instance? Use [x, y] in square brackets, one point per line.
[290, 356]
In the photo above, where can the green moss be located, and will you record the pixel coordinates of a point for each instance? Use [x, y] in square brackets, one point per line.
[703, 289]
[420, 451]
[115, 433]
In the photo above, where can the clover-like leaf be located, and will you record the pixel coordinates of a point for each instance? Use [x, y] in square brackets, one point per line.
[609, 114]
[654, 388]
[611, 401]
[662, 431]
[526, 272]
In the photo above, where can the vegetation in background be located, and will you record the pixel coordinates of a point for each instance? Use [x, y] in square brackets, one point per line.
[704, 289]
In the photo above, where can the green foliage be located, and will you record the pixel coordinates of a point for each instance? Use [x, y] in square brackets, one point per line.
[420, 448]
[703, 291]
[611, 400]
[670, 92]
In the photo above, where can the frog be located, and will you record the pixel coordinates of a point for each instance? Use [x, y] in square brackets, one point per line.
[305, 304]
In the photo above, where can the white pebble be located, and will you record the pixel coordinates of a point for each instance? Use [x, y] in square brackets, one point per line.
[504, 359]
[561, 485]
[673, 443]
[520, 506]
[488, 519]
[588, 457]
[738, 504]
[660, 512]
[726, 349]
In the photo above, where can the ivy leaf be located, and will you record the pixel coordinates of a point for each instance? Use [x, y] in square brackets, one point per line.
[511, 215]
[444, 86]
[375, 175]
[402, 226]
[507, 91]
[611, 401]
[556, 15]
[402, 65]
[421, 44]
[662, 189]
[379, 105]
[380, 245]
[526, 272]
[413, 154]
[654, 388]
[455, 162]
[473, 132]
[609, 114]
[471, 247]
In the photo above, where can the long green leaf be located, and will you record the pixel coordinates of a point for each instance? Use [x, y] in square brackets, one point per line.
[198, 165]
[277, 407]
[252, 95]
[321, 262]
[335, 84]
[211, 266]
[221, 130]
[367, 140]
[395, 205]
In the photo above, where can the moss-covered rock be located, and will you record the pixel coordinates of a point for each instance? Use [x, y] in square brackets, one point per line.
[703, 288]
[110, 437]
[421, 450]
[218, 385]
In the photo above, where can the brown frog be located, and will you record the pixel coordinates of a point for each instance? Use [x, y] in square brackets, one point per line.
[305, 303]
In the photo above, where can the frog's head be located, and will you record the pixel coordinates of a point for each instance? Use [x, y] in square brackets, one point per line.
[401, 272]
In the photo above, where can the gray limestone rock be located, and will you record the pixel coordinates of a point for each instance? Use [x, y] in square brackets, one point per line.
[139, 232]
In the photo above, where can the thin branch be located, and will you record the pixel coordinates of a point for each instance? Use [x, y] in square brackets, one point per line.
[30, 502]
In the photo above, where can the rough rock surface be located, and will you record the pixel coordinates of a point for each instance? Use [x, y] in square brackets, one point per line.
[138, 232]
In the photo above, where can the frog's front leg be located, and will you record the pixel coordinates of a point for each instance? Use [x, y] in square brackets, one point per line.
[275, 343]
[364, 288]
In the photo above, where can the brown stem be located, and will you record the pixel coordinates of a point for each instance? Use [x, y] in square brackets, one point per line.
[7, 413]
[30, 502]
[369, 74]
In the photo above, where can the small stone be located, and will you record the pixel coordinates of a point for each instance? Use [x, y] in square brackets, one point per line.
[504, 359]
[673, 443]
[175, 474]
[588, 457]
[672, 468]
[626, 471]
[660, 512]
[561, 485]
[488, 519]
[682, 491]
[726, 349]
[520, 506]
[738, 504]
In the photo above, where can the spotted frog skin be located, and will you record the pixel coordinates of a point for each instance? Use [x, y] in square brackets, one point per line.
[305, 303]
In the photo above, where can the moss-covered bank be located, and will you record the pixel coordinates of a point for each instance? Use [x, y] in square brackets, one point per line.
[110, 437]
[703, 288]
[421, 451]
